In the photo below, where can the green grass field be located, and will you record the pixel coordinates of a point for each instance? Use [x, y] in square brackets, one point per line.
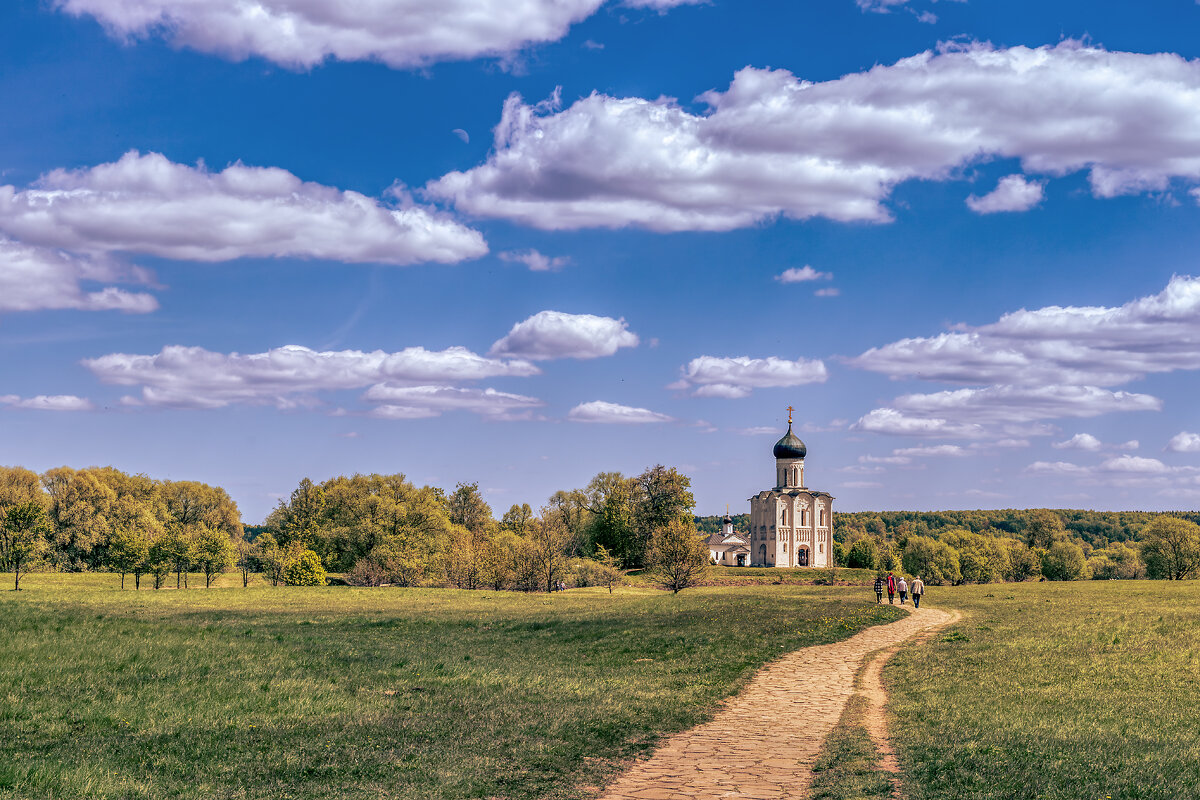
[365, 693]
[1054, 690]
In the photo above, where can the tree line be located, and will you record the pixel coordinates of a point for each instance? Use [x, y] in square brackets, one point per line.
[371, 529]
[1015, 544]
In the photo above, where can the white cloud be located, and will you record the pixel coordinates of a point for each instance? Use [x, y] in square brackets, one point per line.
[895, 423]
[760, 430]
[1013, 193]
[1056, 468]
[192, 377]
[892, 459]
[1127, 463]
[37, 278]
[775, 145]
[935, 450]
[1080, 441]
[1184, 442]
[612, 413]
[54, 402]
[805, 273]
[148, 204]
[416, 402]
[831, 291]
[1024, 404]
[862, 485]
[1096, 345]
[535, 260]
[400, 33]
[554, 334]
[736, 377]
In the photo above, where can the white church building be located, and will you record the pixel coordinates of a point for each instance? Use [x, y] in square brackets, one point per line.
[791, 525]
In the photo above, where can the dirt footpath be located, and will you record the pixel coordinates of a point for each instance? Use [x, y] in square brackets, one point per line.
[763, 743]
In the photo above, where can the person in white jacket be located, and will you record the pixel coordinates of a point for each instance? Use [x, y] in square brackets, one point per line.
[918, 590]
[902, 586]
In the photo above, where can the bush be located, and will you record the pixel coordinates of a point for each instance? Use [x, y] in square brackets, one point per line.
[678, 556]
[863, 555]
[305, 570]
[1064, 561]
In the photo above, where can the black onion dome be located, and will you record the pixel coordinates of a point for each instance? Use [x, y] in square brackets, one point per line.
[790, 446]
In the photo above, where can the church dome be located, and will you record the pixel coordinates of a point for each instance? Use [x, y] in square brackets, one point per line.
[790, 446]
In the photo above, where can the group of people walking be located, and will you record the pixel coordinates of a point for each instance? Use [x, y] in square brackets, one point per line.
[893, 585]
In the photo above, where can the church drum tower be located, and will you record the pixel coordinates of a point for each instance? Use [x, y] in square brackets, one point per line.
[791, 525]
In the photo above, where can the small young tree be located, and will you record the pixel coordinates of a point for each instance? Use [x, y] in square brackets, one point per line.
[548, 539]
[608, 570]
[305, 570]
[678, 556]
[127, 550]
[247, 559]
[160, 559]
[212, 551]
[26, 527]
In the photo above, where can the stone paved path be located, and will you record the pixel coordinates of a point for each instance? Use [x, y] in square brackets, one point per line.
[763, 743]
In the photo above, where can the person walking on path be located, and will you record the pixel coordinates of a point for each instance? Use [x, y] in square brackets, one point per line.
[902, 586]
[918, 589]
[878, 589]
[891, 586]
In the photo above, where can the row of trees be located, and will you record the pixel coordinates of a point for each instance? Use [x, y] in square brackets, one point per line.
[1033, 543]
[382, 529]
[103, 519]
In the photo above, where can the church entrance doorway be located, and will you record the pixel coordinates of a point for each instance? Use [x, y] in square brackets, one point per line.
[802, 557]
[741, 559]
[762, 555]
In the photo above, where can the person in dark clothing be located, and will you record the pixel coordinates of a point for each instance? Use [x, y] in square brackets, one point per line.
[878, 589]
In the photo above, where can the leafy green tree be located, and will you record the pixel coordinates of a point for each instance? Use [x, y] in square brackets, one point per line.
[1043, 529]
[839, 554]
[212, 551]
[1064, 561]
[863, 554]
[548, 539]
[160, 559]
[128, 549]
[1023, 561]
[305, 570]
[678, 556]
[26, 527]
[933, 561]
[981, 559]
[1171, 548]
[466, 507]
[608, 568]
[612, 524]
[1118, 561]
[80, 505]
[517, 519]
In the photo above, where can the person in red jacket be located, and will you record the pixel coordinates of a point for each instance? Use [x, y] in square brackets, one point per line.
[891, 589]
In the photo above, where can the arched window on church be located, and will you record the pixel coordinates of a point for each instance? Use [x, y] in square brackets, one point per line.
[803, 517]
[822, 517]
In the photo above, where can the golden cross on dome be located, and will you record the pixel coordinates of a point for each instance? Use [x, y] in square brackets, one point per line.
[790, 410]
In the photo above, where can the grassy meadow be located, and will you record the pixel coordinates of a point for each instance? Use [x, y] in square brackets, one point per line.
[1054, 690]
[362, 693]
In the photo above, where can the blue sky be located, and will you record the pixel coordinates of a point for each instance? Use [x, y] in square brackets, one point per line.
[521, 243]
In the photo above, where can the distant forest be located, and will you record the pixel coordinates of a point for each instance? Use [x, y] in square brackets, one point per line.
[1097, 528]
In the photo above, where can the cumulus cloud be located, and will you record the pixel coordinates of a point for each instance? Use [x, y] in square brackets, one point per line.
[1080, 441]
[192, 377]
[775, 145]
[805, 273]
[1184, 442]
[712, 376]
[399, 33]
[896, 423]
[535, 260]
[54, 402]
[37, 278]
[554, 334]
[1013, 193]
[148, 204]
[1087, 345]
[599, 411]
[417, 402]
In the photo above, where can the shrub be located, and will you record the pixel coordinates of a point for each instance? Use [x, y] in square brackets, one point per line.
[1064, 561]
[305, 570]
[678, 556]
[863, 555]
